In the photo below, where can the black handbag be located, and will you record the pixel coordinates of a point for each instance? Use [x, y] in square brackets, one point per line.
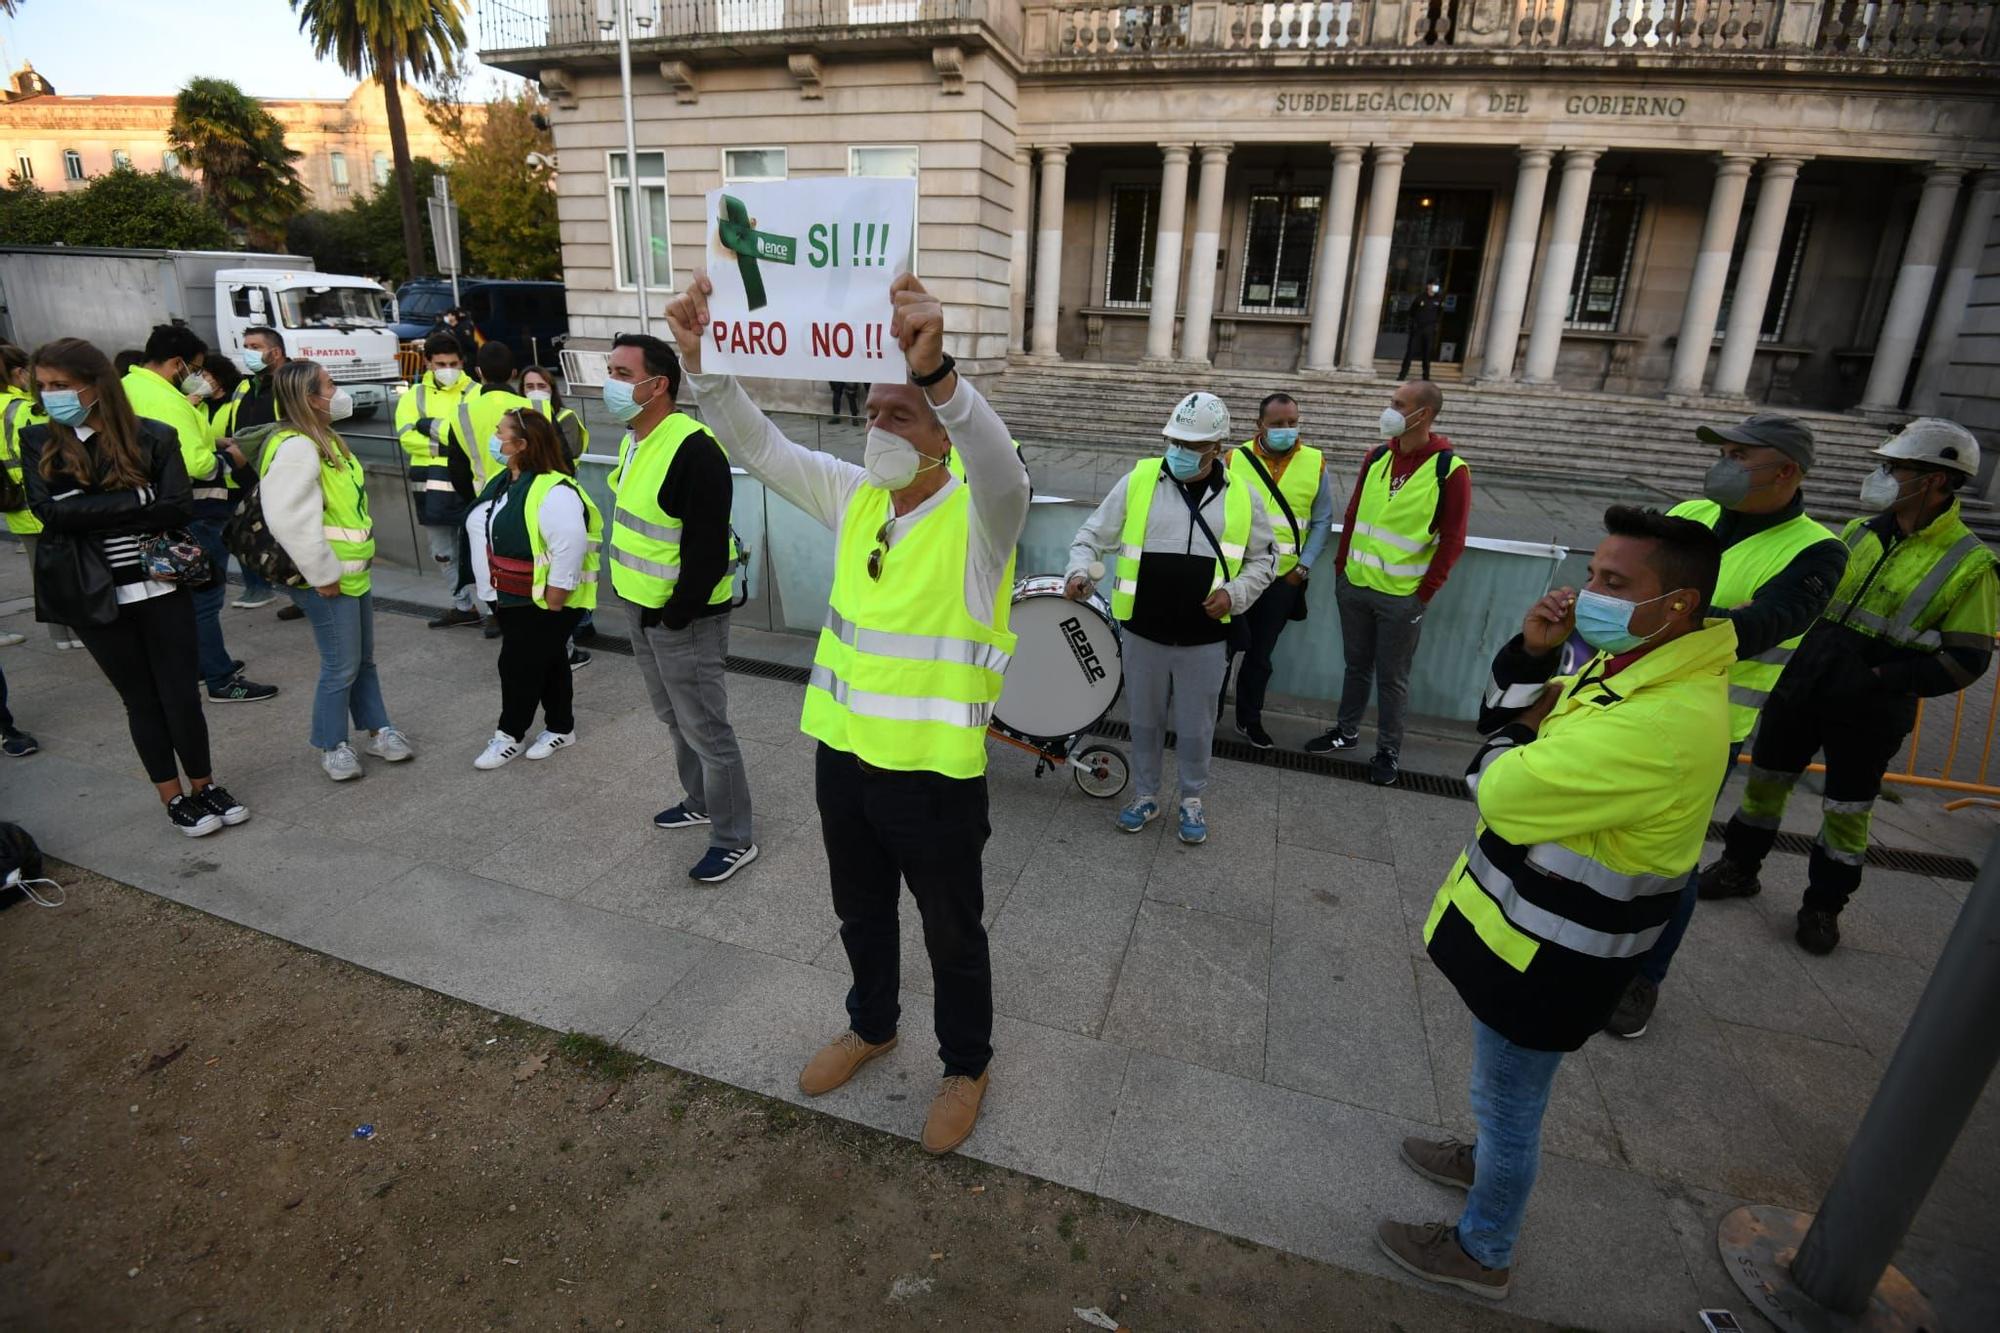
[73, 583]
[1298, 611]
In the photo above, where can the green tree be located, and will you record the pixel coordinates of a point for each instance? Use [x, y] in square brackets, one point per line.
[122, 208]
[503, 181]
[393, 42]
[366, 237]
[239, 148]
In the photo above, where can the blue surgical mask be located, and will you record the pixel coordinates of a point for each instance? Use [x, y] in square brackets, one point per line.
[1606, 622]
[65, 405]
[1183, 462]
[1281, 439]
[493, 447]
[253, 360]
[618, 400]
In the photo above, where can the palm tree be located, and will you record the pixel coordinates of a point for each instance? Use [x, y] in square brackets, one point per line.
[239, 148]
[394, 42]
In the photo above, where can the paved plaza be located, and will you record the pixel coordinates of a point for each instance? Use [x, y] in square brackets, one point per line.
[1237, 1034]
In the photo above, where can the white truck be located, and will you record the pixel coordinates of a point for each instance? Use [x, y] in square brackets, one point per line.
[115, 297]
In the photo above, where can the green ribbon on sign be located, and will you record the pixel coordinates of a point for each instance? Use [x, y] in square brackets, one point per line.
[749, 245]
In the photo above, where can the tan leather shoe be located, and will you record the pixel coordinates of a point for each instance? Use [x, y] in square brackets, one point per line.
[1431, 1250]
[835, 1062]
[954, 1111]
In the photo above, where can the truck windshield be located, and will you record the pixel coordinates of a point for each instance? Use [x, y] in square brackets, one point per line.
[332, 307]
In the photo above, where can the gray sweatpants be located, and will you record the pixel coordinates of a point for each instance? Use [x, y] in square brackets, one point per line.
[1192, 677]
[684, 675]
[1379, 636]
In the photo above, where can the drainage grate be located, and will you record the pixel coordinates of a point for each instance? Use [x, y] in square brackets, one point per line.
[1451, 787]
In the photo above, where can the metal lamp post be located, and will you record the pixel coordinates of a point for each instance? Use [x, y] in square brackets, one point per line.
[621, 17]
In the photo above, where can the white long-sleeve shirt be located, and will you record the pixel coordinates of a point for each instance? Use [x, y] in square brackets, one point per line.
[565, 536]
[295, 510]
[823, 485]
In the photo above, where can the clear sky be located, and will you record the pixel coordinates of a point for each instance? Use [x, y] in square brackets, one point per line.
[156, 46]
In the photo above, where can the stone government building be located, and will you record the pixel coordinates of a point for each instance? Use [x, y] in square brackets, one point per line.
[1789, 200]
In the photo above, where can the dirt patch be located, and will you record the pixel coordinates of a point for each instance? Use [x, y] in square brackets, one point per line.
[208, 1126]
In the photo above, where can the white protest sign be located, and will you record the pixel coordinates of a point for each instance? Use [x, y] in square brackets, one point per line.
[801, 272]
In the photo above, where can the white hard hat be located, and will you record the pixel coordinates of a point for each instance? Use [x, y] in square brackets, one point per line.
[1935, 441]
[1198, 419]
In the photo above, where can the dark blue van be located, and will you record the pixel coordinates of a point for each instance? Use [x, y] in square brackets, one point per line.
[530, 317]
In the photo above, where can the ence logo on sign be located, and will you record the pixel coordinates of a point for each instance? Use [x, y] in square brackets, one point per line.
[1079, 644]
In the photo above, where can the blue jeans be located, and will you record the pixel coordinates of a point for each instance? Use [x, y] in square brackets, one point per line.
[212, 656]
[1510, 1091]
[1660, 957]
[253, 582]
[344, 629]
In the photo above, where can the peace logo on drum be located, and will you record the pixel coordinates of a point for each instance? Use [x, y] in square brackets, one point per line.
[1066, 673]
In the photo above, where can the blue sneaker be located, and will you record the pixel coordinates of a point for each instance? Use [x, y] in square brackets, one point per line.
[1134, 817]
[679, 816]
[719, 863]
[1194, 827]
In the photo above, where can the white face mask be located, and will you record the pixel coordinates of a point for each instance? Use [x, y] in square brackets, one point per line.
[892, 461]
[1393, 422]
[539, 395]
[1880, 489]
[341, 406]
[197, 383]
[446, 376]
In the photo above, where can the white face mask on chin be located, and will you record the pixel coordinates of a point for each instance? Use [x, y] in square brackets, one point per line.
[892, 461]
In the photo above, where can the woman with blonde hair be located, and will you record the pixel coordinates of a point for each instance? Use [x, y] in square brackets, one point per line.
[103, 482]
[315, 500]
[534, 536]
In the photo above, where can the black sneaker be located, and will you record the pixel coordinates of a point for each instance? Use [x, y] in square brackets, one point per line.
[241, 691]
[1818, 932]
[1726, 879]
[291, 612]
[218, 802]
[452, 619]
[1254, 732]
[578, 659]
[235, 666]
[1635, 1009]
[1332, 740]
[192, 817]
[679, 816]
[489, 627]
[1382, 770]
[719, 863]
[18, 744]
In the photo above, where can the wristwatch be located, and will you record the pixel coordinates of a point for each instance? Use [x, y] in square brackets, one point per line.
[945, 367]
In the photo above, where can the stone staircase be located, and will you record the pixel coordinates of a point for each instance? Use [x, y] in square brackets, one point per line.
[1529, 437]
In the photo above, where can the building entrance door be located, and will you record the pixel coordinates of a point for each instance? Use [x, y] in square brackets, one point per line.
[1440, 237]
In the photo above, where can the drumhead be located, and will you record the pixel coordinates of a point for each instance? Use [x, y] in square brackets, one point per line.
[1066, 669]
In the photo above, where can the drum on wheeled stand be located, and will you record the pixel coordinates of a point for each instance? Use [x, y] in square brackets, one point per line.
[1066, 673]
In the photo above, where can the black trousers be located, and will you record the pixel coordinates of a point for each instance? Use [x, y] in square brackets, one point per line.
[1255, 635]
[1420, 346]
[925, 830]
[149, 656]
[850, 393]
[534, 669]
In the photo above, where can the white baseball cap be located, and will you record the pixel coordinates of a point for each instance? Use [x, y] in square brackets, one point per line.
[1199, 418]
[1935, 441]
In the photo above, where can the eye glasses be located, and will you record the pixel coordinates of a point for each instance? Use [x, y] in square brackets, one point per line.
[881, 550]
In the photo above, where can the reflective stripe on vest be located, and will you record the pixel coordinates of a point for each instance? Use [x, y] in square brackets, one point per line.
[1140, 488]
[1391, 526]
[1546, 925]
[904, 677]
[343, 488]
[1746, 567]
[645, 540]
[583, 596]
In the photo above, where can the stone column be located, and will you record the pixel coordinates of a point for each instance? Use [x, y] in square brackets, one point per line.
[1167, 252]
[1754, 274]
[1517, 264]
[1017, 265]
[1207, 244]
[1559, 265]
[1048, 250]
[1710, 274]
[1364, 321]
[1973, 230]
[1336, 244]
[1912, 291]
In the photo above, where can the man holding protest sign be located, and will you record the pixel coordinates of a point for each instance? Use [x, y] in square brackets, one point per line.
[908, 666]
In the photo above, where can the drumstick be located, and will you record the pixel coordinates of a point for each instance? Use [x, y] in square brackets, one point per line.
[1096, 571]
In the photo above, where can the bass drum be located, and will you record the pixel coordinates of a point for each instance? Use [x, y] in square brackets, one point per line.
[1066, 671]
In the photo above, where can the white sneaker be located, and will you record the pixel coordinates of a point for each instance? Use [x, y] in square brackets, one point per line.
[391, 745]
[64, 645]
[9, 639]
[250, 602]
[549, 742]
[340, 763]
[502, 749]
